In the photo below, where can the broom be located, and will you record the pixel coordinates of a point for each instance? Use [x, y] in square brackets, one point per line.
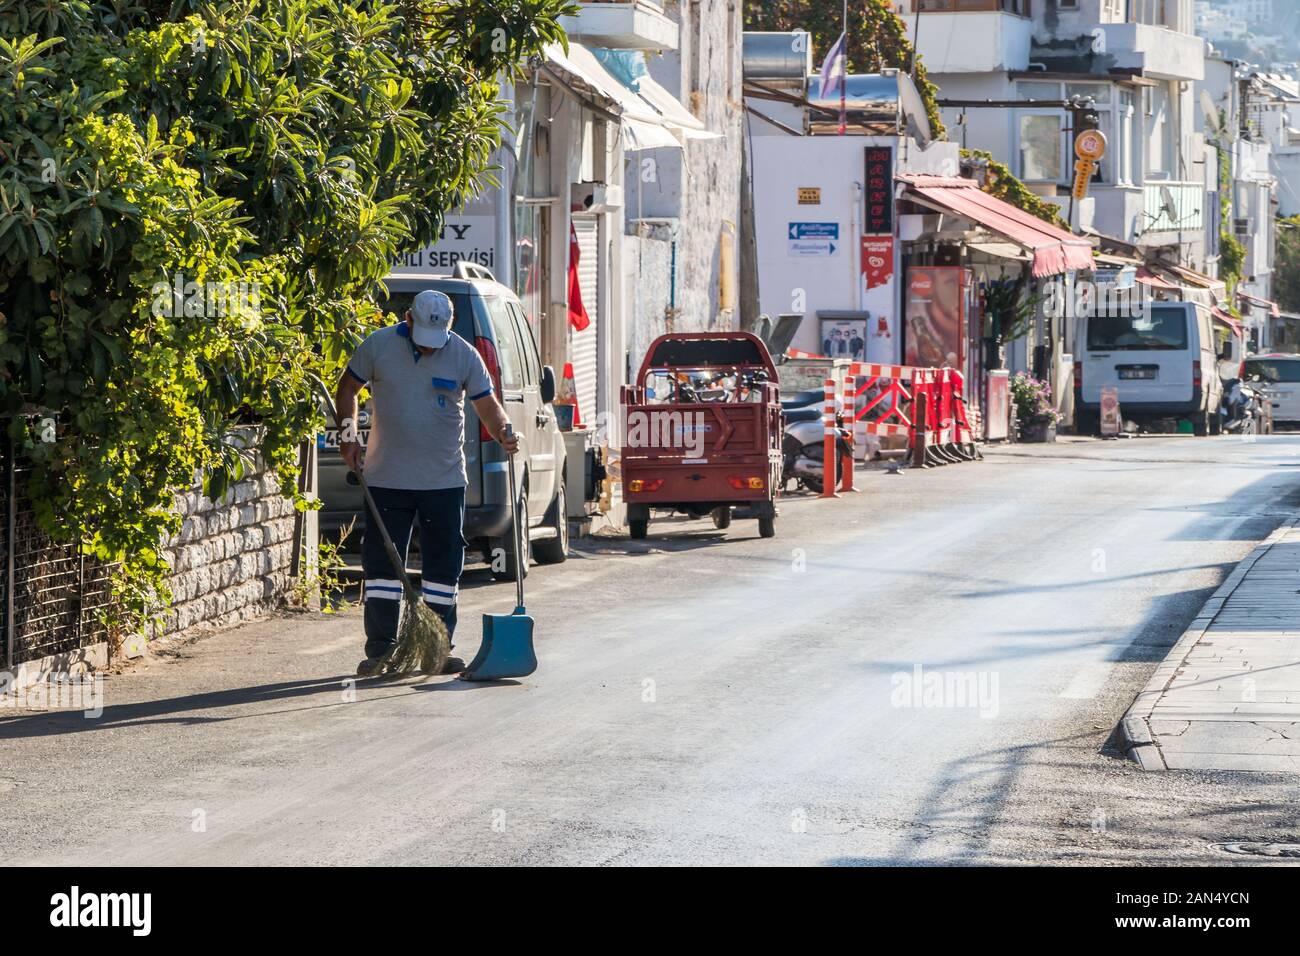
[423, 644]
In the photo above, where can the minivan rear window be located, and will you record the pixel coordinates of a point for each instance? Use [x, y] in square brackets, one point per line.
[1274, 370]
[1155, 327]
[462, 308]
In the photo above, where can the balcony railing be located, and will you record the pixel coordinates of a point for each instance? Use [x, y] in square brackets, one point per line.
[1172, 207]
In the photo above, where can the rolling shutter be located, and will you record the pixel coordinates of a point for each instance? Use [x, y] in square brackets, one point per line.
[583, 350]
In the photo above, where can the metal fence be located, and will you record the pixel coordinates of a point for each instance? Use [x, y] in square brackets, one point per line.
[52, 596]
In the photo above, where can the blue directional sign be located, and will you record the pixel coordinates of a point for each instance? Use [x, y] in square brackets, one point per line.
[813, 238]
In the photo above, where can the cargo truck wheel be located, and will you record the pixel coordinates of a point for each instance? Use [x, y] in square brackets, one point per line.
[638, 528]
[722, 517]
[767, 527]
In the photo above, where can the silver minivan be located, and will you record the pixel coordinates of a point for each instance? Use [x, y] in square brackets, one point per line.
[1162, 361]
[490, 317]
[1279, 379]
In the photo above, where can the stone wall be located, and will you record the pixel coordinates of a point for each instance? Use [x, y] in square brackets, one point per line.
[648, 264]
[230, 560]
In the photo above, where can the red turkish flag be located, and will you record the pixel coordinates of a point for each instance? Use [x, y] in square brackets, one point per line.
[578, 317]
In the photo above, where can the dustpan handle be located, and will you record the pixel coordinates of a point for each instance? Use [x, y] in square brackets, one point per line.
[514, 527]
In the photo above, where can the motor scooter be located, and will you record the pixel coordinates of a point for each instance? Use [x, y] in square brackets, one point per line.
[1241, 408]
[803, 442]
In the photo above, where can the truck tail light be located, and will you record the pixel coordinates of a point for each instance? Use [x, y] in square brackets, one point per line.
[489, 353]
[645, 484]
[746, 484]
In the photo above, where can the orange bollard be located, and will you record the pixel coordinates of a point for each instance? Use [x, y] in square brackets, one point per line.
[850, 416]
[828, 440]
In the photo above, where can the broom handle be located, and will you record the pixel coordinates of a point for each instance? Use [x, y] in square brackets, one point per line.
[399, 566]
[514, 526]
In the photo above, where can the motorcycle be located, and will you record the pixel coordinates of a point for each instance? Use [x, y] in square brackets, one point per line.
[1241, 411]
[803, 442]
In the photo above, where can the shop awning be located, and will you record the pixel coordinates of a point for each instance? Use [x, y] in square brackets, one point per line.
[1054, 250]
[1271, 306]
[1227, 319]
[1001, 250]
[1149, 278]
[651, 118]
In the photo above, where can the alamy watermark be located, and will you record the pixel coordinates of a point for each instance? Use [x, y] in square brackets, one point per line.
[61, 691]
[974, 690]
[1085, 299]
[179, 297]
[646, 428]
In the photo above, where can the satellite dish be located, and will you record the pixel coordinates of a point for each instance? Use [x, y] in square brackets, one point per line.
[1211, 114]
[1167, 205]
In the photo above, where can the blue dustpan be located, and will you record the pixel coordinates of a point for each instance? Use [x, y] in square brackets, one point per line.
[507, 648]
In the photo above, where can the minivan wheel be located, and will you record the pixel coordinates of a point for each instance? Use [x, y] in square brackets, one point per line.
[1216, 424]
[507, 545]
[555, 550]
[1201, 424]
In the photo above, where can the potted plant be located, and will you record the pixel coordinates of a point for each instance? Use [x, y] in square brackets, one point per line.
[1034, 409]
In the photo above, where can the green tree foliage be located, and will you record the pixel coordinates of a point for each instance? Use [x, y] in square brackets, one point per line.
[1286, 270]
[1232, 254]
[877, 38]
[1001, 183]
[158, 158]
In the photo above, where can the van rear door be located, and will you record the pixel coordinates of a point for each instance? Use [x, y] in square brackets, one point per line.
[1147, 356]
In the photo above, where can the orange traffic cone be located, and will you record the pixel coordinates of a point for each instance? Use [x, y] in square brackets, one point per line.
[569, 394]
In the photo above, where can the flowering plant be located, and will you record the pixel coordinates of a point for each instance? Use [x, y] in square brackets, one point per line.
[1033, 398]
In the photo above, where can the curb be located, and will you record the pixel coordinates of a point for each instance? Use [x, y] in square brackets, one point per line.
[1134, 731]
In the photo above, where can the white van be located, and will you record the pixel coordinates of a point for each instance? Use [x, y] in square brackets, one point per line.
[1162, 360]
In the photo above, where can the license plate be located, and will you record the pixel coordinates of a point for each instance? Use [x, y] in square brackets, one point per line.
[1137, 373]
[329, 440]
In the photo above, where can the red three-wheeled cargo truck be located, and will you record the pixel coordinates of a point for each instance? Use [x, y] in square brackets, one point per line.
[702, 431]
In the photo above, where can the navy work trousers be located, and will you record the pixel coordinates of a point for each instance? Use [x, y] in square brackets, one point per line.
[441, 514]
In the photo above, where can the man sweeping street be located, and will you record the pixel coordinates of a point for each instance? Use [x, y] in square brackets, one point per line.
[419, 373]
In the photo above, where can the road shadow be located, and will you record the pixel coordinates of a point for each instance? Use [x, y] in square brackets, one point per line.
[982, 802]
[206, 708]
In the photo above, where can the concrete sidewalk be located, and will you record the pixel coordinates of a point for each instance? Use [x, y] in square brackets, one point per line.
[1228, 695]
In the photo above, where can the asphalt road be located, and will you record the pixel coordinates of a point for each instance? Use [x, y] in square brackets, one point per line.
[928, 671]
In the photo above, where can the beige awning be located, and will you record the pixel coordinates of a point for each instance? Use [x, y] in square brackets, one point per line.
[645, 122]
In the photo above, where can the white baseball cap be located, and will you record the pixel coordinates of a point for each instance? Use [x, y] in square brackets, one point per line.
[431, 317]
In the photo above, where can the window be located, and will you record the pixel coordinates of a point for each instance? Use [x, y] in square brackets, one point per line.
[1124, 153]
[1037, 90]
[1098, 92]
[1019, 7]
[1040, 147]
[507, 344]
[1156, 328]
[532, 364]
[1274, 370]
